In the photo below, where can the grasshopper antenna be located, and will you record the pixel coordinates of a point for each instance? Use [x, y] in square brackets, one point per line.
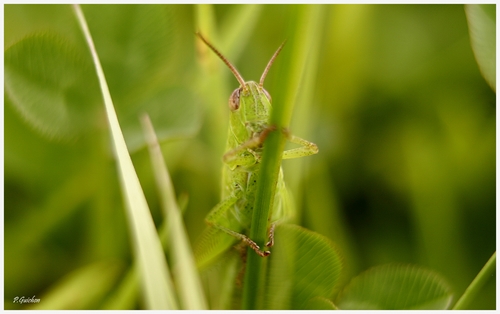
[263, 77]
[230, 66]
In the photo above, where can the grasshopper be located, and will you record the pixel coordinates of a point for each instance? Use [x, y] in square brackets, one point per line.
[250, 108]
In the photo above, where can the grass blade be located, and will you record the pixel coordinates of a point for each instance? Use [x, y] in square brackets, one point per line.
[292, 64]
[476, 285]
[158, 289]
[184, 267]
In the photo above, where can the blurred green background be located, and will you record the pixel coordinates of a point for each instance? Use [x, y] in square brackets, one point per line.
[392, 95]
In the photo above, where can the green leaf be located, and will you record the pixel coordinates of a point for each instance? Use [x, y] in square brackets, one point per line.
[136, 45]
[482, 29]
[396, 287]
[22, 20]
[303, 265]
[141, 56]
[52, 85]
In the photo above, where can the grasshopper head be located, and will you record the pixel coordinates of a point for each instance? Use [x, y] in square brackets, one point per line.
[250, 98]
[252, 103]
[234, 99]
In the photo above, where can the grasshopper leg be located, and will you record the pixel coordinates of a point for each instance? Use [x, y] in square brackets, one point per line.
[232, 157]
[306, 148]
[245, 240]
[271, 235]
[217, 215]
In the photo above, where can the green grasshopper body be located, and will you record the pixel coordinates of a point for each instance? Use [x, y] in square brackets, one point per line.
[250, 106]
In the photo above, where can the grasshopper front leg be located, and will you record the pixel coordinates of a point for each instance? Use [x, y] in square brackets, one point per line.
[232, 157]
[218, 213]
[306, 148]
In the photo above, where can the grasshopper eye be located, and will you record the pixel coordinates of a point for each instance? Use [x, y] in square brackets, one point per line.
[267, 95]
[234, 100]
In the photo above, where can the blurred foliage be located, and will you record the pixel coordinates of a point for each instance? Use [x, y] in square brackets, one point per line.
[482, 30]
[396, 287]
[403, 118]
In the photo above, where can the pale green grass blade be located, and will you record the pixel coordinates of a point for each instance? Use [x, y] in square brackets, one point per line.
[155, 277]
[125, 296]
[396, 287]
[186, 277]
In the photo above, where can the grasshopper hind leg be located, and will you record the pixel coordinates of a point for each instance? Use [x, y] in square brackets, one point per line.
[221, 211]
[245, 240]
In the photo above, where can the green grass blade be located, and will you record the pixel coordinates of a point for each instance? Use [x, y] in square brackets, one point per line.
[158, 289]
[473, 289]
[183, 264]
[290, 66]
